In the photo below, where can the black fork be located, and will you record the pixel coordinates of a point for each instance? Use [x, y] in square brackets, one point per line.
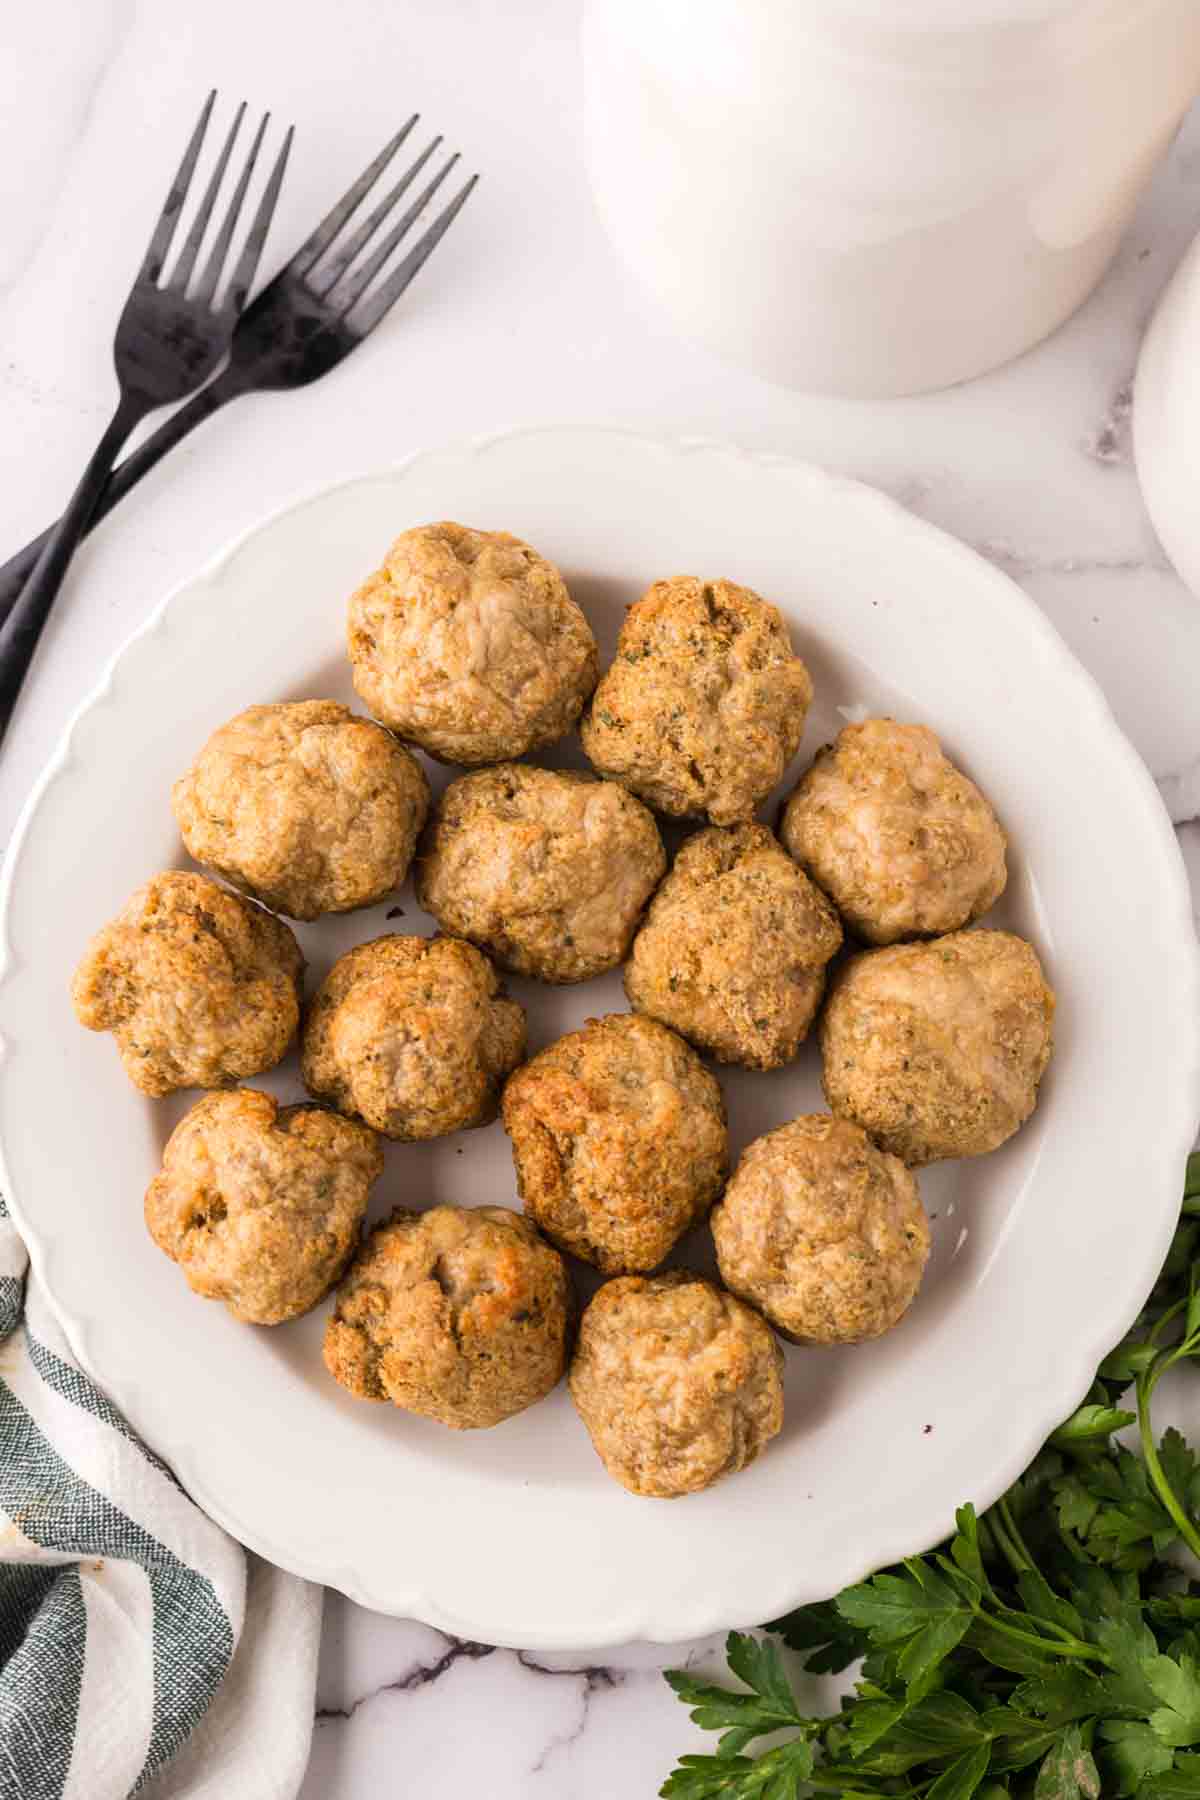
[169, 339]
[319, 308]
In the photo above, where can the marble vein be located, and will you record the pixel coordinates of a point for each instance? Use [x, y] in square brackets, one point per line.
[419, 1676]
[593, 1678]
[1020, 563]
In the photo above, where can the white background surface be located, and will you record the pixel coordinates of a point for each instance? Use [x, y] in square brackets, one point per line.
[524, 316]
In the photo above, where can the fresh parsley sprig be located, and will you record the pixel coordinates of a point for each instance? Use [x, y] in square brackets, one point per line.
[1049, 1651]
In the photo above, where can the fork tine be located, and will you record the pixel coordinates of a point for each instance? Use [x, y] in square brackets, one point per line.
[242, 279]
[185, 262]
[368, 314]
[353, 285]
[333, 221]
[164, 231]
[340, 260]
[210, 274]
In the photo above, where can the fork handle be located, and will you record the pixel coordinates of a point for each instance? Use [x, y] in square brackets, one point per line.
[23, 627]
[17, 570]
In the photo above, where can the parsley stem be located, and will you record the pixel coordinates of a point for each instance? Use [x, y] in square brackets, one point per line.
[1006, 1538]
[1166, 1493]
[833, 1781]
[1172, 1312]
[1014, 1532]
[1063, 1645]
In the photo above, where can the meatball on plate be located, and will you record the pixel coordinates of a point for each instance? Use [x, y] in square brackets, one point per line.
[468, 644]
[823, 1232]
[734, 948]
[199, 987]
[549, 871]
[459, 1313]
[798, 1462]
[678, 1383]
[260, 1205]
[619, 1140]
[704, 704]
[938, 1049]
[412, 1035]
[901, 841]
[304, 807]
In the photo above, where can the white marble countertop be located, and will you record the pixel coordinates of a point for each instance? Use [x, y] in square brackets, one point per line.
[525, 316]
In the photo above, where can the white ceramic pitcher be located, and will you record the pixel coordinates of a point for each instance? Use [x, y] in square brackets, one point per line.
[878, 196]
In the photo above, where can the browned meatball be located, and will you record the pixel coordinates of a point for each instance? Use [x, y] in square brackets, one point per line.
[677, 1382]
[261, 1207]
[733, 949]
[937, 1049]
[468, 643]
[823, 1232]
[898, 837]
[414, 1035]
[304, 807]
[703, 706]
[548, 871]
[199, 987]
[460, 1314]
[618, 1134]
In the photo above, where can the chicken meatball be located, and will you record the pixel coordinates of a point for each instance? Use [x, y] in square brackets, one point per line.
[618, 1135]
[303, 807]
[821, 1231]
[704, 704]
[414, 1035]
[199, 987]
[898, 837]
[547, 870]
[734, 947]
[468, 643]
[260, 1205]
[460, 1314]
[937, 1049]
[677, 1382]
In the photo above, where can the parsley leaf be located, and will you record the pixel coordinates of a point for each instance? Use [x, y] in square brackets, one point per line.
[1177, 1721]
[963, 1777]
[1191, 1182]
[965, 1548]
[1089, 1423]
[831, 1644]
[1178, 1461]
[1066, 1691]
[942, 1725]
[1069, 1771]
[923, 1613]
[872, 1718]
[780, 1774]
[1180, 1783]
[1131, 1751]
[769, 1706]
[1110, 1503]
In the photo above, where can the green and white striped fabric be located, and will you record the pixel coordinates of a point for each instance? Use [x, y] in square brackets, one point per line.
[124, 1611]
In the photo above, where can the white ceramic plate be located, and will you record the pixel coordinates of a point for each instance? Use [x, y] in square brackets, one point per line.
[1044, 1251]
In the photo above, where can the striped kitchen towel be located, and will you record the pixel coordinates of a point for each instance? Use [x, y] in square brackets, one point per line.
[141, 1649]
